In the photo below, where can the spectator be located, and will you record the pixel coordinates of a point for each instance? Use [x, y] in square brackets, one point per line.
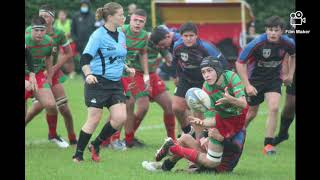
[64, 23]
[82, 26]
[131, 8]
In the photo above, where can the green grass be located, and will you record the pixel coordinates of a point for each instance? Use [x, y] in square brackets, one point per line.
[44, 160]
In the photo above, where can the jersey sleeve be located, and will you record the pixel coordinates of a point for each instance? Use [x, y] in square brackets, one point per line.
[290, 45]
[145, 47]
[92, 45]
[208, 114]
[215, 52]
[236, 85]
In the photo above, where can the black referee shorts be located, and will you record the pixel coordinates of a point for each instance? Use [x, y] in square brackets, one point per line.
[105, 93]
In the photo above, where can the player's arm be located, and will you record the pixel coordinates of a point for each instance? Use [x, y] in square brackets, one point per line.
[32, 83]
[64, 57]
[241, 67]
[292, 65]
[29, 61]
[88, 53]
[144, 63]
[237, 88]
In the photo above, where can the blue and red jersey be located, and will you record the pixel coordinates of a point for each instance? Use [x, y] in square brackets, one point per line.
[188, 59]
[265, 58]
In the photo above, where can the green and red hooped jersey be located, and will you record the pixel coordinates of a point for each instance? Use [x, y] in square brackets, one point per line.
[58, 39]
[136, 46]
[39, 51]
[235, 89]
[153, 56]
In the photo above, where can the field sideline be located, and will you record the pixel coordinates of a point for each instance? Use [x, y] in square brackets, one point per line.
[45, 161]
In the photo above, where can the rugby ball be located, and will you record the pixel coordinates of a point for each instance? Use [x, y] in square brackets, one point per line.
[198, 100]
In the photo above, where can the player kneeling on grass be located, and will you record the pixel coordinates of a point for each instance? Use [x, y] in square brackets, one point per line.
[221, 150]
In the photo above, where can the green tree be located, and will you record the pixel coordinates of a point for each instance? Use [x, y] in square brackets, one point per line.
[262, 9]
[72, 6]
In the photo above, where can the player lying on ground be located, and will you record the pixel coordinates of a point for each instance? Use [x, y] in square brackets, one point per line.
[221, 150]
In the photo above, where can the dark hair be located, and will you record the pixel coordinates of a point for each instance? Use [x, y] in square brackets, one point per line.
[158, 34]
[274, 21]
[38, 20]
[108, 9]
[140, 12]
[187, 27]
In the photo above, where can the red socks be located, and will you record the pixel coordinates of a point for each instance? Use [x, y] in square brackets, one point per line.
[52, 123]
[190, 154]
[170, 123]
[129, 137]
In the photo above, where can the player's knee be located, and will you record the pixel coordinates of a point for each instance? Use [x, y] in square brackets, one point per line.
[274, 109]
[184, 138]
[177, 108]
[213, 159]
[119, 118]
[50, 106]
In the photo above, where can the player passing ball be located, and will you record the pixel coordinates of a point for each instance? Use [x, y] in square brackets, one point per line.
[219, 138]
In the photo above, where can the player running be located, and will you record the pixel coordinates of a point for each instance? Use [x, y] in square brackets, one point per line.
[259, 67]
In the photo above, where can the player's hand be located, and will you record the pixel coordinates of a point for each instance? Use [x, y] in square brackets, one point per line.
[132, 84]
[146, 80]
[204, 142]
[27, 85]
[54, 69]
[131, 71]
[196, 121]
[91, 79]
[287, 80]
[215, 134]
[33, 82]
[251, 91]
[197, 124]
[226, 98]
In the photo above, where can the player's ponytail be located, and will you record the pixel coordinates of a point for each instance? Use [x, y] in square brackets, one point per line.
[99, 13]
[108, 9]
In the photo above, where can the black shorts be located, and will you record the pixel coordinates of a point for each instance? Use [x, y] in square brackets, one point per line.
[105, 93]
[183, 86]
[262, 88]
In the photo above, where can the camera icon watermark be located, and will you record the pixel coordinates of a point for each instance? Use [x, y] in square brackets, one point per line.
[297, 18]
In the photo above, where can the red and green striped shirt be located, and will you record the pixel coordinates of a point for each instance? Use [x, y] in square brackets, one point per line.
[235, 89]
[153, 54]
[39, 52]
[136, 46]
[58, 39]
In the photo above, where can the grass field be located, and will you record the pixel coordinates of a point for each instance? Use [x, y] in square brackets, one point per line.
[44, 160]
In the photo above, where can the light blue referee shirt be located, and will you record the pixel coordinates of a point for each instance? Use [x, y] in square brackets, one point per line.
[108, 55]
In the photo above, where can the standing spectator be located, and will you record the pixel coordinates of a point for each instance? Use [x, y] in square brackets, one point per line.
[64, 24]
[83, 25]
[131, 8]
[251, 32]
